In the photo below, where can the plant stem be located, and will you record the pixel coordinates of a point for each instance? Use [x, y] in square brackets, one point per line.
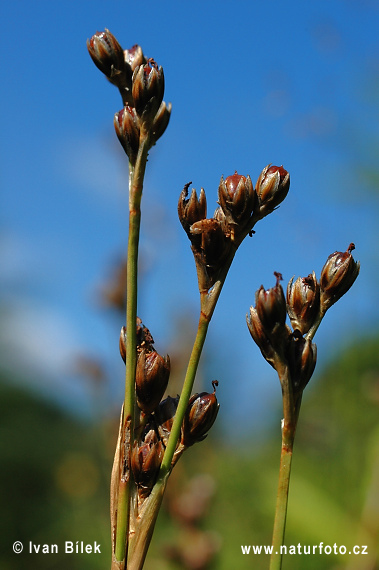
[136, 176]
[140, 541]
[281, 505]
[291, 414]
[185, 394]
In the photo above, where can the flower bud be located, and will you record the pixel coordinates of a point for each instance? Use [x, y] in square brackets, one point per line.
[236, 197]
[164, 417]
[106, 53]
[146, 459]
[272, 187]
[337, 276]
[270, 305]
[126, 124]
[148, 90]
[302, 355]
[193, 209]
[152, 374]
[200, 416]
[303, 302]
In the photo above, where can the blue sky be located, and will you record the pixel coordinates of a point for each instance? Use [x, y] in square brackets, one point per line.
[251, 83]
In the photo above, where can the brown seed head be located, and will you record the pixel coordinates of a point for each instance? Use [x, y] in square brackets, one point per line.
[302, 355]
[270, 305]
[106, 53]
[148, 90]
[259, 336]
[192, 209]
[337, 276]
[126, 124]
[303, 302]
[160, 121]
[152, 374]
[146, 459]
[272, 187]
[236, 197]
[200, 416]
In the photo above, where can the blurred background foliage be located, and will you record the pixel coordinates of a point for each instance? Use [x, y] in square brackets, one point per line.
[55, 475]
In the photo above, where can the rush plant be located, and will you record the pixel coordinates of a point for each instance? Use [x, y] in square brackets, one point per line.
[154, 432]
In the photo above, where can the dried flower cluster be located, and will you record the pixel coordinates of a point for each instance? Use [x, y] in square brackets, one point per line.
[141, 85]
[214, 241]
[156, 416]
[306, 303]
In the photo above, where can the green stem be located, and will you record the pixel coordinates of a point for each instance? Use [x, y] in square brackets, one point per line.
[312, 331]
[291, 411]
[185, 394]
[139, 542]
[281, 506]
[136, 176]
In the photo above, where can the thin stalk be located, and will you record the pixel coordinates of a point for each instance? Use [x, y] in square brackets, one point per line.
[312, 331]
[185, 394]
[281, 506]
[136, 176]
[140, 541]
[291, 414]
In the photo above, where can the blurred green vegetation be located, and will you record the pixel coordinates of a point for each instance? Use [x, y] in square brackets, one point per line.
[55, 476]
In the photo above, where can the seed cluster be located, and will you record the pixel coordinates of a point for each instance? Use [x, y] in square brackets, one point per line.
[156, 415]
[306, 302]
[141, 85]
[215, 240]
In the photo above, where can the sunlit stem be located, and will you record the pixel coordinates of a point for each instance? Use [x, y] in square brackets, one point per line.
[136, 176]
[139, 542]
[291, 411]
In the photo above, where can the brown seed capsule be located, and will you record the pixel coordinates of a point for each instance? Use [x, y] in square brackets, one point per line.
[337, 276]
[126, 124]
[152, 374]
[259, 336]
[192, 209]
[148, 90]
[106, 53]
[302, 355]
[303, 302]
[272, 187]
[146, 459]
[164, 417]
[271, 306]
[200, 416]
[236, 197]
[160, 121]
